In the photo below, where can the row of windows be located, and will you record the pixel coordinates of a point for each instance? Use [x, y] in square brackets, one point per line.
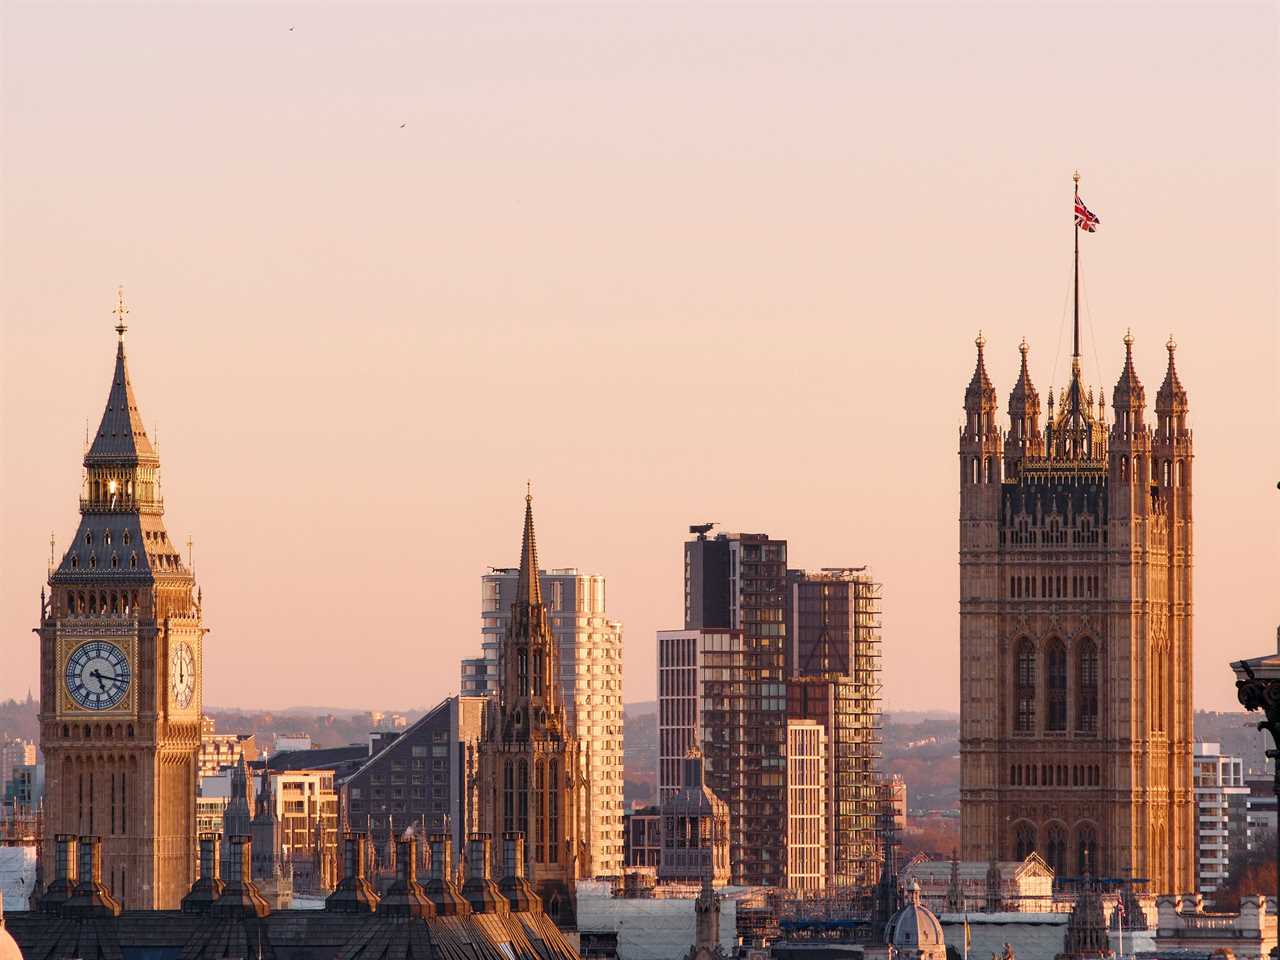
[1053, 693]
[1059, 586]
[92, 604]
[106, 731]
[1054, 775]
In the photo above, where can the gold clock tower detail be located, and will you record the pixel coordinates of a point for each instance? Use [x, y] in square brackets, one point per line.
[120, 660]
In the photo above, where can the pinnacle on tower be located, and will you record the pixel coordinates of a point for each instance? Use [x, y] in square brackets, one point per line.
[1172, 398]
[980, 392]
[1129, 395]
[529, 585]
[1024, 400]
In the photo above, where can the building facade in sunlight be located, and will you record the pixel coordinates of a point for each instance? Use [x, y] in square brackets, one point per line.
[590, 650]
[531, 775]
[121, 643]
[1076, 628]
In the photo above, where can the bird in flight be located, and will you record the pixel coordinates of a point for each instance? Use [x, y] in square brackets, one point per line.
[403, 125]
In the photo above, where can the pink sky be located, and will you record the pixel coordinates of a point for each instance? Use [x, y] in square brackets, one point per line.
[674, 264]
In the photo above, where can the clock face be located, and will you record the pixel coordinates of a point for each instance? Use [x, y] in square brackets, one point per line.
[98, 675]
[182, 674]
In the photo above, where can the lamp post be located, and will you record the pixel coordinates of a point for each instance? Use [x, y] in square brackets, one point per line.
[1258, 688]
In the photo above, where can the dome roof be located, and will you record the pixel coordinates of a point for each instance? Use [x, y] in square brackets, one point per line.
[914, 927]
[8, 946]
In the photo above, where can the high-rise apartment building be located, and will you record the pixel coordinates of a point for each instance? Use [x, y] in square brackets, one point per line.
[700, 704]
[121, 647]
[1221, 813]
[1076, 628]
[589, 644]
[807, 821]
[739, 580]
[833, 655]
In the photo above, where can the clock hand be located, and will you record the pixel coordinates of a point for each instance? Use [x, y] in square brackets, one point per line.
[99, 677]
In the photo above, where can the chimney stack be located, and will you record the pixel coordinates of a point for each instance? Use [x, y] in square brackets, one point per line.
[514, 887]
[480, 890]
[63, 886]
[208, 886]
[440, 888]
[240, 896]
[406, 897]
[354, 893]
[90, 896]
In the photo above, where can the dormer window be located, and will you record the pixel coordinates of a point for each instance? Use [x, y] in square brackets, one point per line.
[93, 562]
[115, 562]
[127, 538]
[75, 561]
[106, 537]
[88, 538]
[133, 561]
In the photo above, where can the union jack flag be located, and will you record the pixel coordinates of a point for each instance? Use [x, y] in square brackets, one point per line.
[1085, 218]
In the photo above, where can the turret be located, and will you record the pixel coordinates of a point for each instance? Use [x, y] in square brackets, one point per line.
[1171, 402]
[1171, 445]
[1024, 438]
[1129, 449]
[980, 437]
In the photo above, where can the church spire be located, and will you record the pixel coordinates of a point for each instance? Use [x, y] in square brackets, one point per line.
[529, 585]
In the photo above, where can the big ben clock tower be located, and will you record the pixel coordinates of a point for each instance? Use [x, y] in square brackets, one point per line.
[120, 661]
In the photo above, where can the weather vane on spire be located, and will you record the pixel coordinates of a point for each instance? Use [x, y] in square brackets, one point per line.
[120, 312]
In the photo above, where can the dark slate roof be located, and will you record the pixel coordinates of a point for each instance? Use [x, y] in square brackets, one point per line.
[338, 759]
[289, 935]
[398, 745]
[121, 436]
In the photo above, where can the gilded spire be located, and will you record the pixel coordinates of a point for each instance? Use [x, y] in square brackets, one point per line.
[120, 312]
[528, 585]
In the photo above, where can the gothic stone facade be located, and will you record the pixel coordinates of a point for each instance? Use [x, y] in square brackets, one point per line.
[1075, 630]
[120, 659]
[530, 770]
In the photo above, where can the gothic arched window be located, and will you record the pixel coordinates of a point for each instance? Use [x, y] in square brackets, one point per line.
[1055, 848]
[1056, 686]
[1024, 840]
[508, 797]
[1025, 719]
[522, 798]
[540, 811]
[1087, 687]
[553, 813]
[1086, 849]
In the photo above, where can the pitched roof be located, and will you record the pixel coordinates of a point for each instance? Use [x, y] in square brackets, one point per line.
[121, 436]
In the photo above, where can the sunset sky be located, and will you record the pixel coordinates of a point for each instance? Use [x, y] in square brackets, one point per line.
[673, 263]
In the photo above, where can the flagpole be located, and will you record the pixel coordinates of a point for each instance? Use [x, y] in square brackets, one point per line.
[1075, 307]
